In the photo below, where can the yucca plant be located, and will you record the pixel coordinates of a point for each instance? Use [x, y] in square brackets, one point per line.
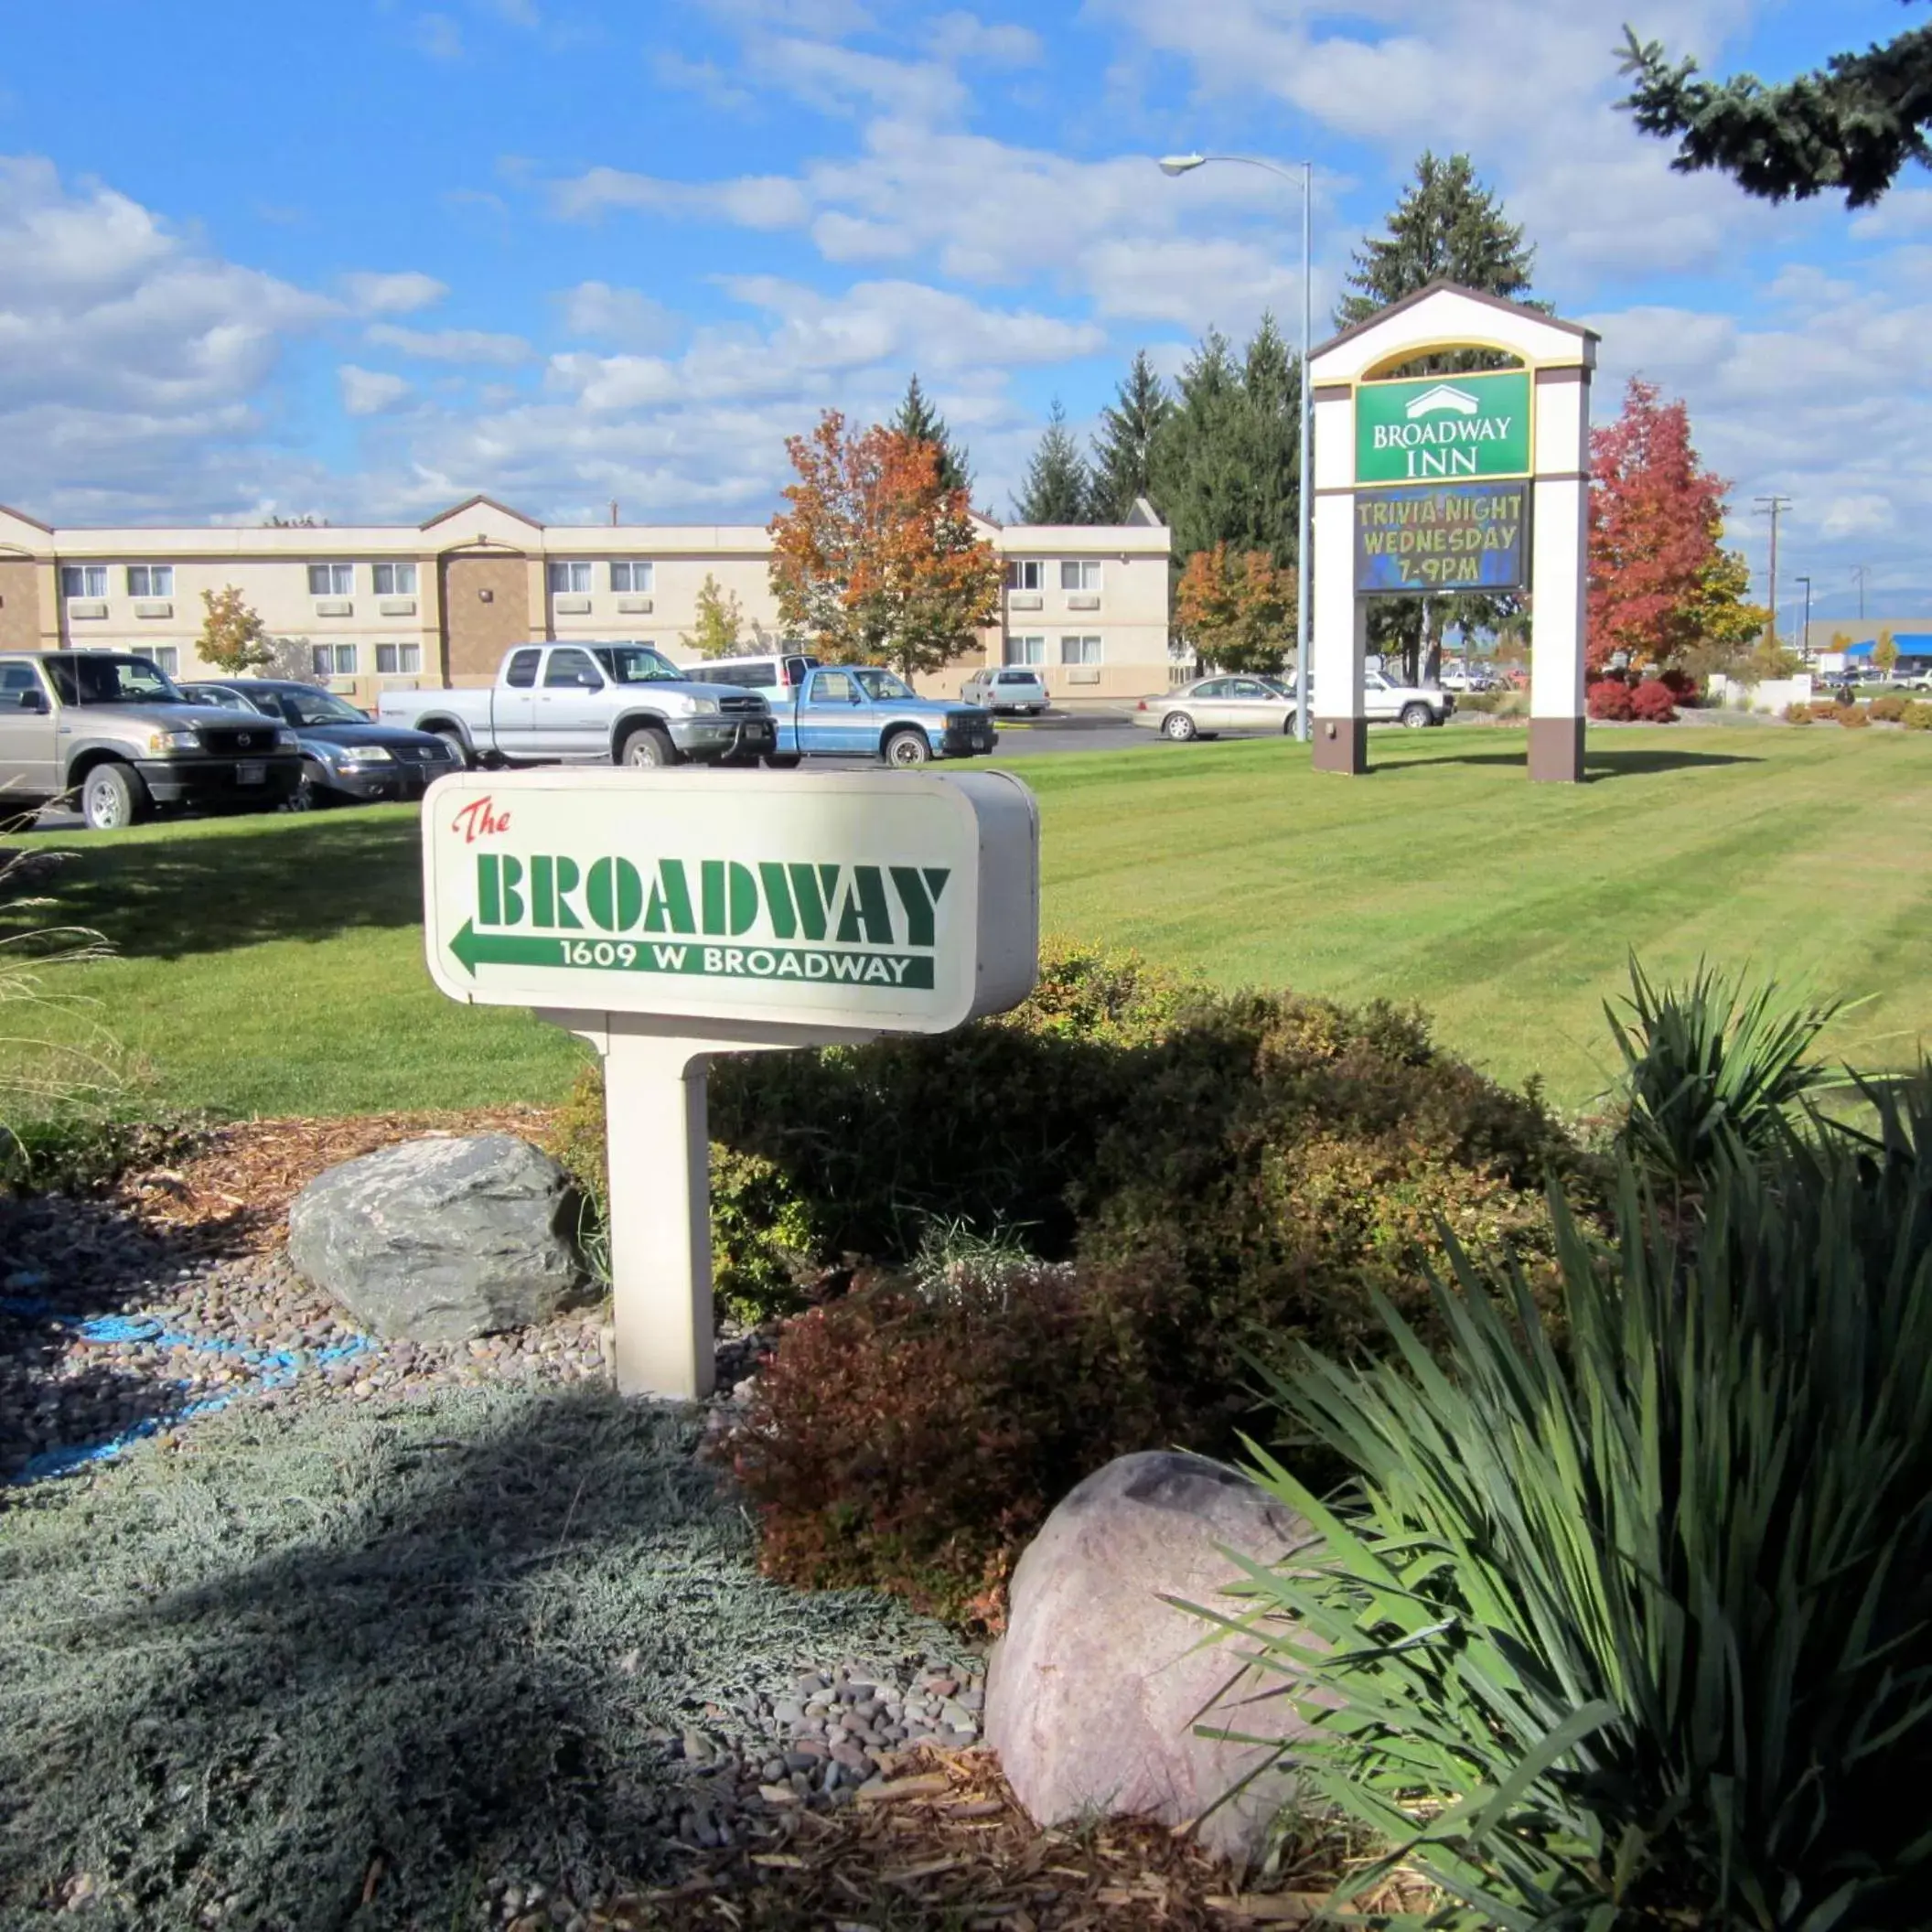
[1712, 1072]
[1639, 1632]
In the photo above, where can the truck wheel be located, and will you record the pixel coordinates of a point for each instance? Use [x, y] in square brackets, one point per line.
[905, 749]
[1416, 716]
[310, 794]
[1178, 726]
[458, 743]
[112, 797]
[649, 746]
[781, 761]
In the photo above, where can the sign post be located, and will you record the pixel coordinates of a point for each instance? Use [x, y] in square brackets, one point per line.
[667, 916]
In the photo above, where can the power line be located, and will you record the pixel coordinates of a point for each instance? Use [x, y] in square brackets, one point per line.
[1773, 506]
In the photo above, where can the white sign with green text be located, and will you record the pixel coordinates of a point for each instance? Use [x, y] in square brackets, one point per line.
[665, 915]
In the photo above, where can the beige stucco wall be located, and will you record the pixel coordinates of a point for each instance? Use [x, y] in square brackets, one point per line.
[19, 604]
[481, 545]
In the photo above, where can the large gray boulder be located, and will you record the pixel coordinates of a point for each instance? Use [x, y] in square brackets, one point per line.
[441, 1240]
[1093, 1693]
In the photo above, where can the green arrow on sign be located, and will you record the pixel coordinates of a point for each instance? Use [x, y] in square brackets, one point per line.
[473, 948]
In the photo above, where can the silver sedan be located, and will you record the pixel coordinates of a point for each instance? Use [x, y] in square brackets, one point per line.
[1210, 707]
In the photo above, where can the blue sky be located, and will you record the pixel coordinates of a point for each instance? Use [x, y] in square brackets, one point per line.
[362, 258]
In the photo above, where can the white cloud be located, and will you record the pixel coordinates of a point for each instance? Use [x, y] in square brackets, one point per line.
[398, 294]
[965, 37]
[704, 79]
[451, 345]
[369, 391]
[756, 201]
[624, 316]
[438, 36]
[517, 12]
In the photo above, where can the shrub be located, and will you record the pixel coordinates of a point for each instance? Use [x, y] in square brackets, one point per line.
[1798, 712]
[1634, 1632]
[1887, 710]
[1227, 1174]
[1854, 718]
[1684, 688]
[1917, 715]
[1654, 703]
[1609, 699]
[1712, 1074]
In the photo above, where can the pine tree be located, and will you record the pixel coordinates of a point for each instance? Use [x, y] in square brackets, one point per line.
[918, 419]
[1852, 125]
[1059, 488]
[1271, 447]
[1122, 451]
[1447, 226]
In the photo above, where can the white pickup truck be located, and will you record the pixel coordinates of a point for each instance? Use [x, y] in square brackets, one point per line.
[591, 704]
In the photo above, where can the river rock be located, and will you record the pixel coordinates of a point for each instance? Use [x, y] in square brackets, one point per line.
[1093, 1693]
[439, 1240]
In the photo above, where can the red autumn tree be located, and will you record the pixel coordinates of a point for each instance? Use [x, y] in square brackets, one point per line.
[875, 561]
[1236, 608]
[1657, 516]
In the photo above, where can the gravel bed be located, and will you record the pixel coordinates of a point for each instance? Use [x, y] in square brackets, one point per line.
[395, 1635]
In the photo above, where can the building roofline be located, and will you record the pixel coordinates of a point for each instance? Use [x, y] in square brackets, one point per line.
[1442, 285]
[20, 516]
[456, 509]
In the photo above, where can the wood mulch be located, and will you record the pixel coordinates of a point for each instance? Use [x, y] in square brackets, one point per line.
[231, 1196]
[943, 1845]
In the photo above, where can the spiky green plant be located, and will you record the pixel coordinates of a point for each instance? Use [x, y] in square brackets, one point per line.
[1637, 1632]
[1711, 1072]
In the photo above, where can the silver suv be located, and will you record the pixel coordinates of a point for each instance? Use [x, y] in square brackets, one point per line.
[114, 730]
[1008, 688]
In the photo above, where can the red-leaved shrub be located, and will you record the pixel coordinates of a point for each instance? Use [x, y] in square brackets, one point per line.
[1609, 699]
[1654, 703]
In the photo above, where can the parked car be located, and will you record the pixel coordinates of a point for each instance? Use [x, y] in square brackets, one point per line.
[783, 671]
[1010, 687]
[1211, 706]
[1465, 677]
[863, 711]
[345, 754]
[114, 730]
[1386, 701]
[591, 704]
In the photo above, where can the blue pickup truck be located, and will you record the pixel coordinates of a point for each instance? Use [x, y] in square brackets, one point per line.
[861, 710]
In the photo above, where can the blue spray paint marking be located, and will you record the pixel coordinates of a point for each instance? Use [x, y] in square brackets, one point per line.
[268, 1369]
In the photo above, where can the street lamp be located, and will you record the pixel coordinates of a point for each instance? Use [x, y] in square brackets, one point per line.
[1804, 642]
[1186, 164]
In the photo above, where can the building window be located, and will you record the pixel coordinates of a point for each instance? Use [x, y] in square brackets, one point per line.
[1080, 650]
[1081, 573]
[572, 580]
[335, 660]
[1024, 575]
[632, 574]
[331, 580]
[396, 580]
[165, 657]
[395, 660]
[151, 580]
[83, 580]
[1026, 650]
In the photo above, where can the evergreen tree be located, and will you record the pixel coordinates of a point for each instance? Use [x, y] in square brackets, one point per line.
[1447, 226]
[1853, 125]
[1058, 487]
[1122, 451]
[918, 418]
[1225, 466]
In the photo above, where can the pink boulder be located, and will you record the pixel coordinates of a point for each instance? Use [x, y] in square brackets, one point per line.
[1093, 1694]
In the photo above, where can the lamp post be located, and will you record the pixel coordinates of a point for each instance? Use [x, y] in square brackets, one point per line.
[1804, 642]
[1185, 165]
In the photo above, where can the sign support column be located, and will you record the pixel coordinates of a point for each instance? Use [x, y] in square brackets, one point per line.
[1339, 645]
[1558, 603]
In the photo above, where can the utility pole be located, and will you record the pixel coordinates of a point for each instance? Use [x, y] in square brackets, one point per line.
[1773, 506]
[1861, 570]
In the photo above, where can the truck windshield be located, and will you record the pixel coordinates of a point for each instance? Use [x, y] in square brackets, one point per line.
[634, 663]
[882, 684]
[101, 676]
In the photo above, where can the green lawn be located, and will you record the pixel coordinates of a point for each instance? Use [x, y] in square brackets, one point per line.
[274, 965]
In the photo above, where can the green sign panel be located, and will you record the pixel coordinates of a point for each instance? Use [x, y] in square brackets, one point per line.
[1432, 429]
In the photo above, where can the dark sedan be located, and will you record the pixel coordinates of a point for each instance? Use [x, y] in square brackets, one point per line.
[346, 755]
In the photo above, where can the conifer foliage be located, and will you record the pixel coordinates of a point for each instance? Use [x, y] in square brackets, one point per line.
[918, 419]
[1123, 450]
[1058, 487]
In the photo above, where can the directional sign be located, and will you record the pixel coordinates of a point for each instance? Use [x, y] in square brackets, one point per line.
[1430, 428]
[902, 901]
[1450, 536]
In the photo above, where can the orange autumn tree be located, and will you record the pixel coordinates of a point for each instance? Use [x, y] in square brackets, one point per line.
[1236, 608]
[875, 562]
